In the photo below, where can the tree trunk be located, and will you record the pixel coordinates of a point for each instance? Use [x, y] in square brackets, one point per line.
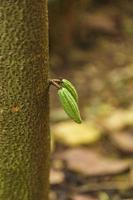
[24, 129]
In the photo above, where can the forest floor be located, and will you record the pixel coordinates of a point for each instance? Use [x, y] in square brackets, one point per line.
[94, 160]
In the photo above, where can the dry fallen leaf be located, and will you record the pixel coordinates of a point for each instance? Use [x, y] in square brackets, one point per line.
[83, 197]
[72, 134]
[123, 141]
[119, 119]
[87, 162]
[56, 177]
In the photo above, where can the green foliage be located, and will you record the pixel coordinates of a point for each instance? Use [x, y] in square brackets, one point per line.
[70, 87]
[69, 104]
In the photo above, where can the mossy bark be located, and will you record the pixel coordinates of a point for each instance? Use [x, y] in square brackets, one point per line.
[24, 129]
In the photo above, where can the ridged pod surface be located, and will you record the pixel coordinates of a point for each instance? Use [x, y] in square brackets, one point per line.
[70, 87]
[69, 104]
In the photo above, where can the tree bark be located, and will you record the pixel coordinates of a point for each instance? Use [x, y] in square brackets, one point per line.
[24, 112]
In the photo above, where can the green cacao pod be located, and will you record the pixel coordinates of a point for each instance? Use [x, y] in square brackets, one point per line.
[69, 104]
[70, 87]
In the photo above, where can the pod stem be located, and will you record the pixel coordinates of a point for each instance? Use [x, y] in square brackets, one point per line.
[55, 82]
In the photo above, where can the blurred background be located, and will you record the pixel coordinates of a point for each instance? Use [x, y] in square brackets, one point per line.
[91, 44]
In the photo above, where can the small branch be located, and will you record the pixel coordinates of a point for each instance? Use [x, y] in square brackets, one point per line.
[55, 82]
